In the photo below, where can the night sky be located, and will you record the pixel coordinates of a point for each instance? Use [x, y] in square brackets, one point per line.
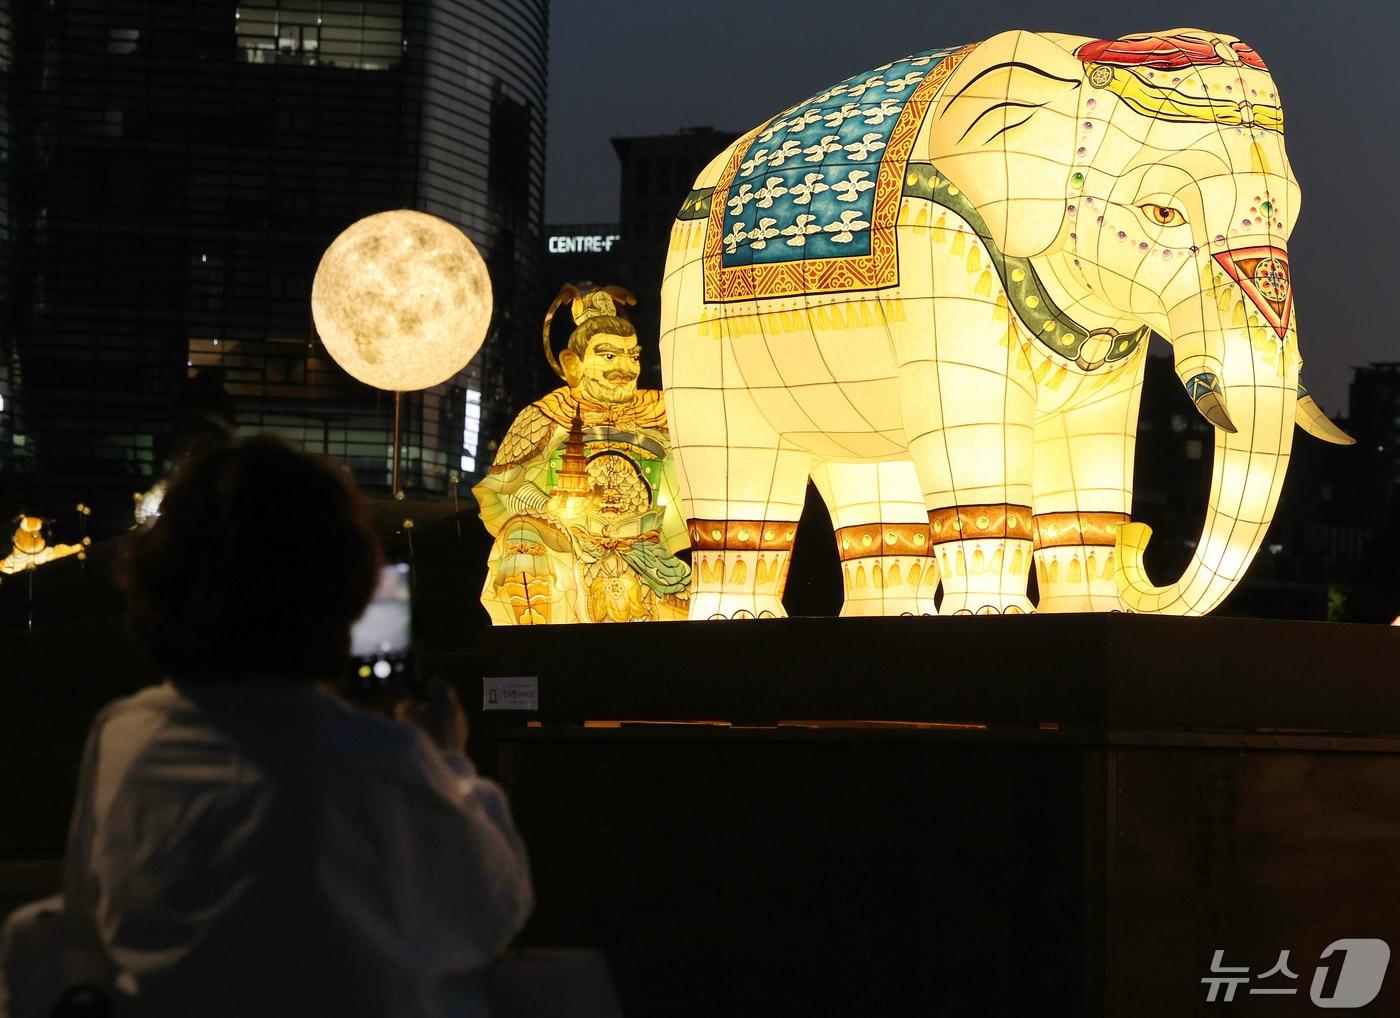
[633, 68]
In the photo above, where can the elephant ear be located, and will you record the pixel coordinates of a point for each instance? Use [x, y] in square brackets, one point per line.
[1004, 132]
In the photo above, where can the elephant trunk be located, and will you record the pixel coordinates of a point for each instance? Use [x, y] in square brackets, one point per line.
[1243, 377]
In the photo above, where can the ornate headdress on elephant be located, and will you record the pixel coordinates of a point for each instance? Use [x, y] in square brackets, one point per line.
[1024, 205]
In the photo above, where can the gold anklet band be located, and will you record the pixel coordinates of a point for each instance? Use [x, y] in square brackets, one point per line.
[1058, 530]
[871, 539]
[972, 522]
[742, 535]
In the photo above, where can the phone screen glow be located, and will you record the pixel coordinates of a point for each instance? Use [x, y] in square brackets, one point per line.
[385, 628]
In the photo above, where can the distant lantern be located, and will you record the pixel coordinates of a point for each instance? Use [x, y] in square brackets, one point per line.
[30, 548]
[402, 300]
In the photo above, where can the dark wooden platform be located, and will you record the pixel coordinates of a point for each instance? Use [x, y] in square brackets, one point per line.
[1100, 670]
[984, 816]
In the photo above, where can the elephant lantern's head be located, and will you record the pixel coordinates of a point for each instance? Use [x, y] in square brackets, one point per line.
[1147, 177]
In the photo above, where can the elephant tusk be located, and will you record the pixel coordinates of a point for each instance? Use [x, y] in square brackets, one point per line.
[1312, 420]
[1204, 390]
[1212, 407]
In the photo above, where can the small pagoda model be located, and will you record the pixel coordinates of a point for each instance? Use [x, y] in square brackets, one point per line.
[572, 475]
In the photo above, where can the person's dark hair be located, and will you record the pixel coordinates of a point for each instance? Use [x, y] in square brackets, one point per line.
[259, 562]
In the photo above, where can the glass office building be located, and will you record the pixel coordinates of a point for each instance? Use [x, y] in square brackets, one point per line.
[173, 172]
[657, 172]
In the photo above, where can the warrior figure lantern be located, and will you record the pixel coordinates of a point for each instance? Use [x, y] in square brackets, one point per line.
[581, 498]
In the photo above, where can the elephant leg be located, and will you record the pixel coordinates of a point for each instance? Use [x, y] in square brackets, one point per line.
[969, 413]
[742, 492]
[1083, 493]
[877, 510]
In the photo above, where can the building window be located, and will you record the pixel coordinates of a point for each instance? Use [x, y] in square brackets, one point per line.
[471, 429]
[97, 123]
[363, 35]
[293, 39]
[123, 41]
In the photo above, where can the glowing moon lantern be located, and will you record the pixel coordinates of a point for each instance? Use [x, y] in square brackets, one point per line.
[401, 300]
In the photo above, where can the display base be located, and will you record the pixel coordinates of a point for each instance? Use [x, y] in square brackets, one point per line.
[969, 816]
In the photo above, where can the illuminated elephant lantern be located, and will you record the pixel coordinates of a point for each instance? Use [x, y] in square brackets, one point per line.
[929, 289]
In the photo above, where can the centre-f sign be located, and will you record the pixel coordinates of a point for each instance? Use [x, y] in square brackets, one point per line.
[583, 243]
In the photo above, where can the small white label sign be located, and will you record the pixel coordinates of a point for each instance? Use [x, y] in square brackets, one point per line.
[510, 692]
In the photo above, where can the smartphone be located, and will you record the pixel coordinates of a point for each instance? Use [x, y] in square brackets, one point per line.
[381, 641]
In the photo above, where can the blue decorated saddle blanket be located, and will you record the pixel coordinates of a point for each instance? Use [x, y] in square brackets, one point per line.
[808, 201]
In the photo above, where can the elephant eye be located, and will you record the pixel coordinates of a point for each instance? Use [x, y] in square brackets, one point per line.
[1163, 215]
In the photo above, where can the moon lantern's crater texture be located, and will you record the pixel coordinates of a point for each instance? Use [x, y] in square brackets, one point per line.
[402, 300]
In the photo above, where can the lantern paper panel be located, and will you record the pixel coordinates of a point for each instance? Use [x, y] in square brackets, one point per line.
[929, 288]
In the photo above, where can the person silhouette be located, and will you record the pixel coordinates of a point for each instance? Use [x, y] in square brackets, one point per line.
[244, 842]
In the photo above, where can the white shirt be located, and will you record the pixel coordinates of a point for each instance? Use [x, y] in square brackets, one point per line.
[262, 848]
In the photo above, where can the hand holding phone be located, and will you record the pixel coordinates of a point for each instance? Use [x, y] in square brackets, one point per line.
[441, 716]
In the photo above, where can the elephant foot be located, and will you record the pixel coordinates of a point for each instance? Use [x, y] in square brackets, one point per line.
[718, 606]
[974, 603]
[876, 607]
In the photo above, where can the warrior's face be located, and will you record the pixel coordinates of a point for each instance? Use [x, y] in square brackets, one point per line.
[610, 368]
